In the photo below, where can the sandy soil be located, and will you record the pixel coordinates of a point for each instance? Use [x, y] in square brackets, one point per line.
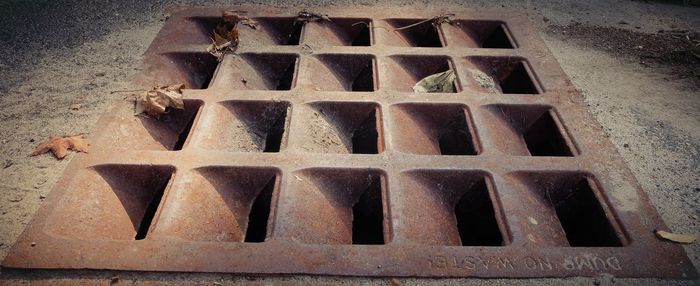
[57, 53]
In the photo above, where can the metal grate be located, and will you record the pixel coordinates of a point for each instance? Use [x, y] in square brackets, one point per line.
[308, 152]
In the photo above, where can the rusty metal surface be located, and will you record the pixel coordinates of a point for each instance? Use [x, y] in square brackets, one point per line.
[311, 154]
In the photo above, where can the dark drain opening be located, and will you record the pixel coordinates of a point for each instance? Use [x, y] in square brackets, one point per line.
[476, 218]
[543, 138]
[350, 31]
[259, 214]
[150, 211]
[428, 37]
[456, 139]
[347, 72]
[294, 34]
[421, 35]
[582, 217]
[518, 81]
[364, 80]
[365, 139]
[367, 216]
[184, 134]
[285, 82]
[204, 79]
[265, 71]
[362, 38]
[273, 139]
[498, 39]
[177, 122]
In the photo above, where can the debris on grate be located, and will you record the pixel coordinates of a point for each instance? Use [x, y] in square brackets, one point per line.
[225, 37]
[156, 101]
[674, 237]
[307, 16]
[309, 143]
[439, 82]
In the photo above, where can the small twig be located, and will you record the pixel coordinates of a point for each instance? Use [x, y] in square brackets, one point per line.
[310, 48]
[133, 90]
[77, 134]
[437, 20]
[306, 17]
[416, 24]
[368, 26]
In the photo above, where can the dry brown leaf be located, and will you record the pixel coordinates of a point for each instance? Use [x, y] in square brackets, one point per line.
[679, 238]
[222, 44]
[75, 106]
[218, 46]
[225, 37]
[155, 101]
[439, 82]
[233, 16]
[219, 40]
[232, 37]
[59, 146]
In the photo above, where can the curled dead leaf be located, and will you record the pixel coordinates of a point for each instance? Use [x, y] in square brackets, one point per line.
[225, 37]
[439, 82]
[674, 237]
[218, 46]
[75, 106]
[59, 146]
[233, 17]
[155, 101]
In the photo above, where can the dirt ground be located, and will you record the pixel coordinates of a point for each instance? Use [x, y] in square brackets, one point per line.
[637, 64]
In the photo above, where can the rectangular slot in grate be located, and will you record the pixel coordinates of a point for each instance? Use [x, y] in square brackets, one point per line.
[334, 72]
[341, 206]
[404, 71]
[344, 127]
[452, 208]
[483, 34]
[476, 219]
[340, 32]
[573, 204]
[434, 129]
[505, 75]
[247, 126]
[415, 33]
[263, 71]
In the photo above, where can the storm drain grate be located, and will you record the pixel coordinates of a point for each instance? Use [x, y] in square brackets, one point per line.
[308, 152]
